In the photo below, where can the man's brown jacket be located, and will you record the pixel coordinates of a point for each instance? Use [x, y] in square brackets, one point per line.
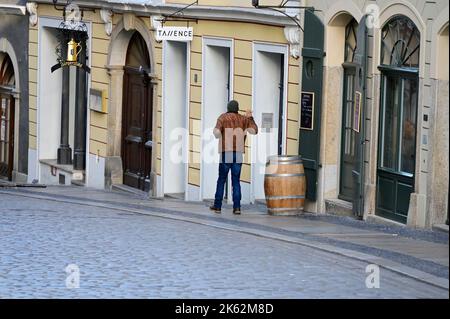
[232, 129]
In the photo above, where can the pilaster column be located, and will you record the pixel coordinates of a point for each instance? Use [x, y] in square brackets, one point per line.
[115, 110]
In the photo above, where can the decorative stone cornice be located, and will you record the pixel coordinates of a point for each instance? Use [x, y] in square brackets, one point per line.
[292, 35]
[32, 11]
[115, 69]
[155, 22]
[222, 13]
[106, 16]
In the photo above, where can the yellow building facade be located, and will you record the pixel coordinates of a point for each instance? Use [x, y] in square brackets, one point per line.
[162, 98]
[239, 34]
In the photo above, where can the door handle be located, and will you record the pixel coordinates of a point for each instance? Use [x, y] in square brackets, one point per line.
[133, 139]
[149, 144]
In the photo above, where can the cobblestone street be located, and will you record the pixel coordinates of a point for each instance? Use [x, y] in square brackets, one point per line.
[126, 255]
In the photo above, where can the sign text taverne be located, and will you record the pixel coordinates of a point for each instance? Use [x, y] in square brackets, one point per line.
[174, 34]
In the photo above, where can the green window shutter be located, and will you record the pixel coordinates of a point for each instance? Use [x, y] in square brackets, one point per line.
[312, 82]
[360, 86]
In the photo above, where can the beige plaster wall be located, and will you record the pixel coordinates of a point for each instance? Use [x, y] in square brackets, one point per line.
[433, 99]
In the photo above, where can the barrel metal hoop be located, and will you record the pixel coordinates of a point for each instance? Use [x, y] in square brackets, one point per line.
[285, 197]
[285, 175]
[284, 163]
[285, 158]
[285, 209]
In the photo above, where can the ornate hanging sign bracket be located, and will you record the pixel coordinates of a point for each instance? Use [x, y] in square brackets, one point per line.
[178, 15]
[291, 33]
[70, 10]
[72, 37]
[285, 4]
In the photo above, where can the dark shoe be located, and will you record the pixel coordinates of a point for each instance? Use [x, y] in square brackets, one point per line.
[215, 209]
[237, 211]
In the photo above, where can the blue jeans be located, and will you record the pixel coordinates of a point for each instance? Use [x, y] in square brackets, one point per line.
[229, 161]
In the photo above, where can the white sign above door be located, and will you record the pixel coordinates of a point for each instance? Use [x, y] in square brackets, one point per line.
[174, 34]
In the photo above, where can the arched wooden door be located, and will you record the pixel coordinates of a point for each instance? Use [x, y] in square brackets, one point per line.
[348, 144]
[137, 131]
[398, 120]
[7, 83]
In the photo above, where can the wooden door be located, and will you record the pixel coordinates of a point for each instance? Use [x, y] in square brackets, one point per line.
[359, 118]
[400, 57]
[137, 133]
[397, 145]
[6, 136]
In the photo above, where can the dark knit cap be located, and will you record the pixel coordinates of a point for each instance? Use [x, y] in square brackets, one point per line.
[233, 106]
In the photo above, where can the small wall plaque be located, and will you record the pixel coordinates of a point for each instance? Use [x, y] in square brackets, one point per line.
[267, 121]
[97, 101]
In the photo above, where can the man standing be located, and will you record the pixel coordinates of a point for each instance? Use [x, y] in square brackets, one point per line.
[231, 130]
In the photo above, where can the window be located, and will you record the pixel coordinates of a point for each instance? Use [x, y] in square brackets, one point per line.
[400, 43]
[6, 71]
[351, 40]
[390, 123]
[408, 146]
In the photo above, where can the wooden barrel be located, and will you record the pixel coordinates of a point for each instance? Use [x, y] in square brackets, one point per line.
[285, 185]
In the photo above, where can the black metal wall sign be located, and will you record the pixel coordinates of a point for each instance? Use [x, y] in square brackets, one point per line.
[307, 111]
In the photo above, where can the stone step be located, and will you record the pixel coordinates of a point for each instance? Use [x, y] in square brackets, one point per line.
[129, 190]
[80, 183]
[53, 173]
[179, 196]
[441, 228]
[338, 207]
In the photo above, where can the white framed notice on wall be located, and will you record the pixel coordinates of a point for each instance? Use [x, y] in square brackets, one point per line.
[357, 112]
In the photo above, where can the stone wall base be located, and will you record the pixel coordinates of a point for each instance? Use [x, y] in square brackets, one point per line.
[113, 171]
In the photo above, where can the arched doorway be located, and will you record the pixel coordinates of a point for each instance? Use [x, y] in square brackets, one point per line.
[7, 108]
[347, 40]
[400, 59]
[137, 114]
[348, 138]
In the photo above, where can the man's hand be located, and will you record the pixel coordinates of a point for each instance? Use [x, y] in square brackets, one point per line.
[248, 113]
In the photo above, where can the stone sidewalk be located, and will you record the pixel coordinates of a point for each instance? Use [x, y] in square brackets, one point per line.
[420, 254]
